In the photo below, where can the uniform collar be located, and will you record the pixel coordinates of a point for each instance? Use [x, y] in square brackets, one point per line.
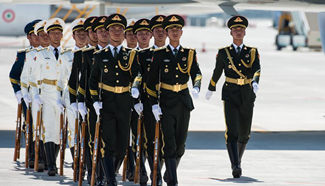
[155, 46]
[75, 48]
[172, 48]
[112, 48]
[100, 47]
[52, 48]
[235, 46]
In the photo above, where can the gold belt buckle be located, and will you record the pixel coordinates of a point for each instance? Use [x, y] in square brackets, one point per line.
[240, 81]
[118, 89]
[177, 88]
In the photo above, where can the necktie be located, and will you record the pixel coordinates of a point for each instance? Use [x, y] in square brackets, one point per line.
[238, 51]
[175, 51]
[56, 53]
[115, 52]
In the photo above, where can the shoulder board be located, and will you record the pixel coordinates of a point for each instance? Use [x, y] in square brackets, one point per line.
[40, 49]
[88, 48]
[250, 47]
[189, 48]
[224, 47]
[32, 49]
[98, 51]
[66, 50]
[161, 48]
[22, 50]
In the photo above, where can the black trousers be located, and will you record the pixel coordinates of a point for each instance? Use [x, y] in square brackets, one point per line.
[238, 120]
[115, 123]
[174, 124]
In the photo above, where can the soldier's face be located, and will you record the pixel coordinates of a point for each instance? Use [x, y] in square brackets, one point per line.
[33, 39]
[130, 38]
[116, 33]
[43, 38]
[102, 35]
[143, 37]
[92, 35]
[159, 34]
[80, 36]
[238, 33]
[174, 33]
[55, 36]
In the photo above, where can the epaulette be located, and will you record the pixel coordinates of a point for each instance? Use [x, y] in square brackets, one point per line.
[98, 51]
[160, 48]
[40, 49]
[22, 50]
[143, 50]
[224, 47]
[66, 50]
[250, 47]
[189, 48]
[88, 48]
[30, 49]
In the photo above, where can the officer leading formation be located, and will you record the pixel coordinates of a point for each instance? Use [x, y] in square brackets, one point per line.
[114, 99]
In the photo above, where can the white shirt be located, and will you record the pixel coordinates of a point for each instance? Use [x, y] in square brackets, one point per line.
[112, 48]
[171, 47]
[235, 46]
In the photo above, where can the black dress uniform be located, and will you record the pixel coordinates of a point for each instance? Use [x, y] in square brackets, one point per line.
[241, 68]
[172, 72]
[113, 74]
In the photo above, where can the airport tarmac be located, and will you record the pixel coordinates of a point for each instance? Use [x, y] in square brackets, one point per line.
[287, 145]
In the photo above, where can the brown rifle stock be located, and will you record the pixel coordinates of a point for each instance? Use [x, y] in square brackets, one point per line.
[61, 144]
[156, 154]
[76, 149]
[37, 136]
[126, 157]
[95, 152]
[138, 152]
[82, 150]
[27, 136]
[17, 135]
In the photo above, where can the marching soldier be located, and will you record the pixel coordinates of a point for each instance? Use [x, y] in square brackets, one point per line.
[26, 91]
[46, 72]
[143, 34]
[145, 60]
[65, 60]
[171, 68]
[112, 73]
[241, 66]
[85, 103]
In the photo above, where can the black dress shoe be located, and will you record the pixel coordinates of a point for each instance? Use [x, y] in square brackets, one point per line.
[236, 172]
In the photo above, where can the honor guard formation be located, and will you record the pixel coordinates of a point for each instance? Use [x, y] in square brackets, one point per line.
[117, 105]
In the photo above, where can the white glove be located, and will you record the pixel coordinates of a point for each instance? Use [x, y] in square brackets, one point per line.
[138, 108]
[98, 105]
[195, 92]
[156, 110]
[82, 110]
[135, 92]
[19, 96]
[38, 101]
[255, 87]
[27, 99]
[60, 105]
[74, 107]
[208, 94]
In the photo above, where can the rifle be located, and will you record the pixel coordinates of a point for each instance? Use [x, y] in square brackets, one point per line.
[96, 139]
[82, 150]
[61, 143]
[27, 135]
[138, 153]
[156, 154]
[126, 157]
[37, 134]
[76, 148]
[18, 131]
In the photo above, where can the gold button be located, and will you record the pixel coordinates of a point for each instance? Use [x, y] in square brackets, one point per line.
[185, 65]
[117, 81]
[166, 65]
[176, 83]
[176, 76]
[116, 66]
[226, 84]
[239, 64]
[105, 66]
[117, 73]
[239, 70]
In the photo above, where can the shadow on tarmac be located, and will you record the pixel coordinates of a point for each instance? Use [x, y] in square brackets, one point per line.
[214, 140]
[242, 179]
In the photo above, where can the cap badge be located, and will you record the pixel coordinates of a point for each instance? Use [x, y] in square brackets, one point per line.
[103, 20]
[144, 22]
[160, 19]
[173, 19]
[238, 20]
[116, 18]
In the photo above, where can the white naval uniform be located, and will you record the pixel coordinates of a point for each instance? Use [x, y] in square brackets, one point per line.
[65, 60]
[46, 71]
[27, 82]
